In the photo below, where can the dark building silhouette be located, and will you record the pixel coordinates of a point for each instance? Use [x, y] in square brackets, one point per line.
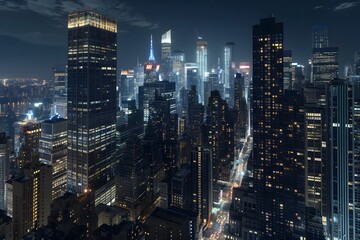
[133, 178]
[220, 137]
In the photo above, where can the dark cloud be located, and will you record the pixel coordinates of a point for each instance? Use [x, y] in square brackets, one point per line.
[123, 12]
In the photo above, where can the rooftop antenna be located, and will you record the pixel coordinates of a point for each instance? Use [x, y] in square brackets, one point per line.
[151, 57]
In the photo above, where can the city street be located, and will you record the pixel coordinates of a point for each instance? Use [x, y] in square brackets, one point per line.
[221, 211]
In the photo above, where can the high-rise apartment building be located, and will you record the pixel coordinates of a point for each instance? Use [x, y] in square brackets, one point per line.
[92, 40]
[267, 127]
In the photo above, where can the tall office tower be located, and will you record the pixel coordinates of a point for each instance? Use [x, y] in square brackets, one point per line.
[356, 96]
[53, 151]
[201, 170]
[60, 81]
[183, 102]
[139, 80]
[133, 178]
[325, 64]
[195, 118]
[178, 69]
[220, 137]
[340, 112]
[267, 127]
[229, 66]
[315, 161]
[191, 75]
[127, 86]
[214, 83]
[181, 194]
[149, 91]
[288, 83]
[244, 69]
[294, 164]
[151, 69]
[165, 121]
[4, 168]
[91, 100]
[357, 63]
[29, 199]
[26, 142]
[166, 55]
[202, 63]
[298, 76]
[240, 107]
[153, 155]
[320, 36]
[60, 106]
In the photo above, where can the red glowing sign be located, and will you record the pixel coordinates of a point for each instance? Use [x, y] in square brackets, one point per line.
[148, 67]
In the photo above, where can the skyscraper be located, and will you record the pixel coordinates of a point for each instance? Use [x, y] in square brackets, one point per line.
[60, 81]
[178, 69]
[91, 100]
[220, 137]
[267, 127]
[287, 69]
[4, 168]
[320, 36]
[53, 151]
[202, 63]
[134, 177]
[229, 65]
[166, 55]
[340, 122]
[202, 187]
[151, 69]
[325, 64]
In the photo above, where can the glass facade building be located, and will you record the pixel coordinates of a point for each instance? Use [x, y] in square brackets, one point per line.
[92, 49]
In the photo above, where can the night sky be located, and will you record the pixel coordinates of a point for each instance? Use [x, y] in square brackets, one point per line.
[33, 34]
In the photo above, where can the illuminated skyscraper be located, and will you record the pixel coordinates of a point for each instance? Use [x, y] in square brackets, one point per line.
[320, 36]
[166, 55]
[151, 69]
[192, 75]
[229, 73]
[60, 81]
[267, 127]
[202, 63]
[325, 64]
[178, 69]
[201, 169]
[91, 100]
[340, 122]
[53, 151]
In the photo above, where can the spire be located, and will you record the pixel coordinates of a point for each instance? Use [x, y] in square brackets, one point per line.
[151, 57]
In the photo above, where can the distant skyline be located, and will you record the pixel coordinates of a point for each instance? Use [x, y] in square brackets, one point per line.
[33, 33]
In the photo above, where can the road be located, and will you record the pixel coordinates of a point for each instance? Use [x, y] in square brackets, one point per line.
[221, 211]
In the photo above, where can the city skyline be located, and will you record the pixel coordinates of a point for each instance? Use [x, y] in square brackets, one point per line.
[156, 129]
[38, 32]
